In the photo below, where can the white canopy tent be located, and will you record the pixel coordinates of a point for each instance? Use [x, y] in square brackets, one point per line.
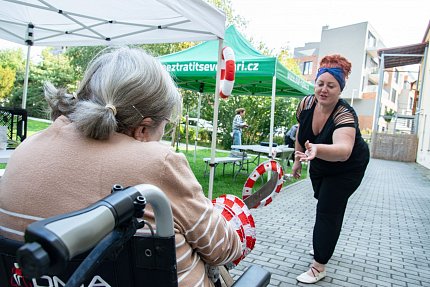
[104, 22]
[111, 22]
[100, 22]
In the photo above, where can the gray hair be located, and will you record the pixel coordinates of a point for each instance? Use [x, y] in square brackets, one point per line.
[119, 88]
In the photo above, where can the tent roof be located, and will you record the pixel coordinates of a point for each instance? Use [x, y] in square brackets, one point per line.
[195, 69]
[398, 56]
[109, 22]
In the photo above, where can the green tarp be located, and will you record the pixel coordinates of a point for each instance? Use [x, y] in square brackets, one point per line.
[195, 69]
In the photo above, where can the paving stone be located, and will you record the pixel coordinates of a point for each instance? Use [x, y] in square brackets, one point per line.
[384, 240]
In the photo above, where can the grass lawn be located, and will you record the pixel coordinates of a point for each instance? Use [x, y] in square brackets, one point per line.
[32, 127]
[35, 126]
[226, 184]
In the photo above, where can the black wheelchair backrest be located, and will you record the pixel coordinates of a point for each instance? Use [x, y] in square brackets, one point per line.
[144, 260]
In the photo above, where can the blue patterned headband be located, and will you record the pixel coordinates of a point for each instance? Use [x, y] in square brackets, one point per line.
[337, 73]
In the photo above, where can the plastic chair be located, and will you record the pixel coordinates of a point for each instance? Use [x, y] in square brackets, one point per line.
[97, 246]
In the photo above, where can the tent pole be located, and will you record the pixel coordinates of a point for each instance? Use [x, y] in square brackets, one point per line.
[187, 131]
[418, 110]
[272, 115]
[27, 69]
[215, 121]
[197, 129]
[377, 112]
[29, 42]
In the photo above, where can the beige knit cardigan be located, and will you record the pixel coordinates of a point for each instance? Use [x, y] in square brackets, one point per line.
[59, 170]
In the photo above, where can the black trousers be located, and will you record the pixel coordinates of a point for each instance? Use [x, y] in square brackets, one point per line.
[288, 141]
[332, 193]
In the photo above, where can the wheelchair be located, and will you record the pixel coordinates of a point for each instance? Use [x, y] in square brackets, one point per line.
[98, 246]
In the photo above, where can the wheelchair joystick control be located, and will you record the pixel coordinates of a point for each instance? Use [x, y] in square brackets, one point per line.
[33, 259]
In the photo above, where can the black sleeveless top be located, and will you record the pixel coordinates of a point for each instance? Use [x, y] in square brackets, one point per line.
[343, 115]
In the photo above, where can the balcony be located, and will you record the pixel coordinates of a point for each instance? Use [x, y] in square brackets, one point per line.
[374, 89]
[372, 51]
[370, 89]
[373, 74]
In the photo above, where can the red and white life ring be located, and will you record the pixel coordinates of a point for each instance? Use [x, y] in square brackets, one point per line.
[228, 70]
[234, 210]
[264, 167]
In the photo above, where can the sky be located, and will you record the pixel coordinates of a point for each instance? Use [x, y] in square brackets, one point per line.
[287, 23]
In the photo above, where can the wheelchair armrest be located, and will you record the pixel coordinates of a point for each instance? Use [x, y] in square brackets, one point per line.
[254, 276]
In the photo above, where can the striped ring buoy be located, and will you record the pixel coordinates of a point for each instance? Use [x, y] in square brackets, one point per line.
[234, 210]
[264, 167]
[228, 70]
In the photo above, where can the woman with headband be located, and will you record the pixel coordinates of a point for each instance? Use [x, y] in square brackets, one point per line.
[109, 133]
[329, 138]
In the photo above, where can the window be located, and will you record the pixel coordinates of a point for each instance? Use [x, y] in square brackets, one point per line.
[371, 40]
[396, 75]
[307, 68]
[393, 95]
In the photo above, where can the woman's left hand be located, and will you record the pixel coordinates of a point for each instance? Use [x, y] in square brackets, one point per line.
[311, 151]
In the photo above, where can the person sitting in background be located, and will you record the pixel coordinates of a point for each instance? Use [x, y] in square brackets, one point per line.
[290, 140]
[109, 133]
[290, 136]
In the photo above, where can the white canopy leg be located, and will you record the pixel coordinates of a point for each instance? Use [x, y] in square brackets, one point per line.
[215, 121]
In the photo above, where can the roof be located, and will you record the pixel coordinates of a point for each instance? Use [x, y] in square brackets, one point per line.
[108, 22]
[398, 56]
[195, 69]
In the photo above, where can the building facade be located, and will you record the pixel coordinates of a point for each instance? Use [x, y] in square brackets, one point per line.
[307, 57]
[359, 43]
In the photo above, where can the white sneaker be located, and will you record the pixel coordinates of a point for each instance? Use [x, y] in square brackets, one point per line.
[306, 278]
[311, 252]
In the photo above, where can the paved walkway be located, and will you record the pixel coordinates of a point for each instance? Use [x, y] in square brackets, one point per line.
[385, 240]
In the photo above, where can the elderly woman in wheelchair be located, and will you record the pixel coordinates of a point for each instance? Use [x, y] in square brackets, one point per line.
[109, 133]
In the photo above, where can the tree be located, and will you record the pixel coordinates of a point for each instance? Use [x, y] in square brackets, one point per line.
[12, 58]
[80, 57]
[289, 62]
[257, 116]
[7, 79]
[11, 63]
[54, 68]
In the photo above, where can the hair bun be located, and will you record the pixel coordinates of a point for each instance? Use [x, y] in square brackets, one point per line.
[336, 61]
